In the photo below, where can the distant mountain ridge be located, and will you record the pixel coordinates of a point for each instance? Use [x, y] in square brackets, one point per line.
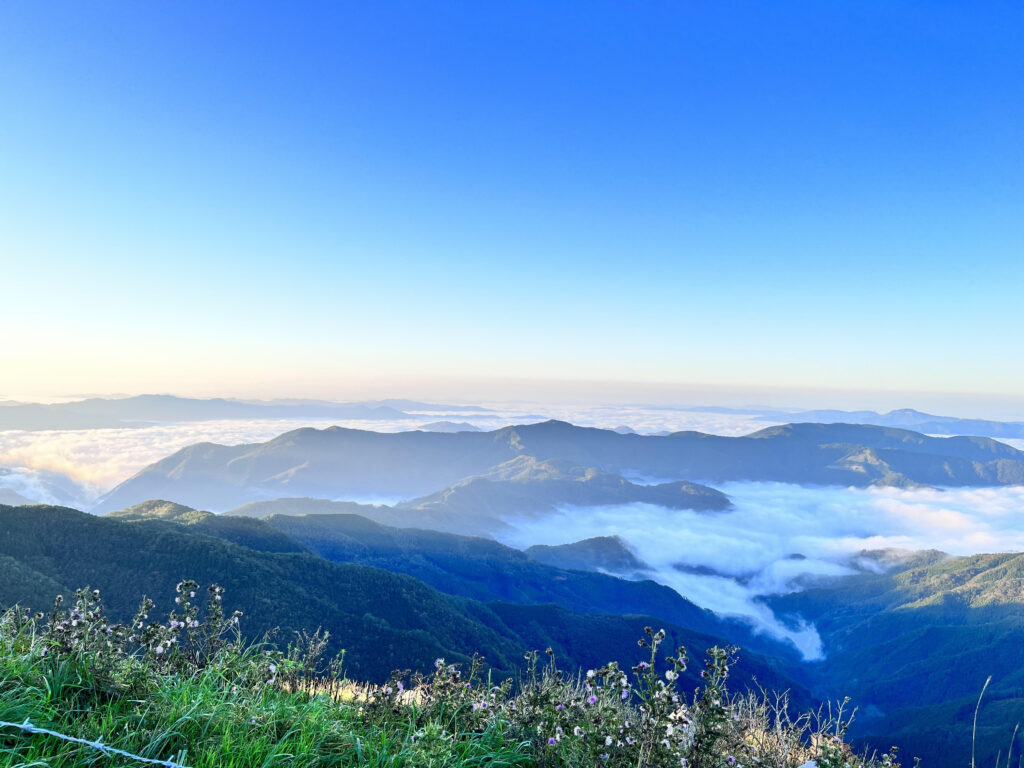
[902, 418]
[143, 410]
[338, 463]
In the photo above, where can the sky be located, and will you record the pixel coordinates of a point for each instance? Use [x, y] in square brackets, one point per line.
[647, 200]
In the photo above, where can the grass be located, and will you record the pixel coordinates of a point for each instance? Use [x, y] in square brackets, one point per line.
[187, 689]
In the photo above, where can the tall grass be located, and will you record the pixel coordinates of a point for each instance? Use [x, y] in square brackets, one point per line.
[188, 689]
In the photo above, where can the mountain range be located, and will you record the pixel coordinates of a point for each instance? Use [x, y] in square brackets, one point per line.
[902, 418]
[145, 410]
[469, 566]
[339, 463]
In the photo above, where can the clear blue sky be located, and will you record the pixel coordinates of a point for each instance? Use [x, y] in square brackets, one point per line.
[319, 198]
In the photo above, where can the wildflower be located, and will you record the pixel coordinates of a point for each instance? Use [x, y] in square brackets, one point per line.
[607, 741]
[560, 707]
[625, 694]
[670, 675]
[730, 760]
[551, 740]
[590, 674]
[577, 731]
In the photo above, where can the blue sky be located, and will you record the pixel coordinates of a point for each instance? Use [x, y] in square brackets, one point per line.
[401, 197]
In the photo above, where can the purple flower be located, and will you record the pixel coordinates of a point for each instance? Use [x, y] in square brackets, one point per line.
[592, 700]
[559, 707]
[551, 740]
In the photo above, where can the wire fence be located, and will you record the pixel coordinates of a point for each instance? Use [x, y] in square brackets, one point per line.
[27, 727]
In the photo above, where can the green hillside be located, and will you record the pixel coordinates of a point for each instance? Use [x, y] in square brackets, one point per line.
[915, 646]
[384, 620]
[468, 566]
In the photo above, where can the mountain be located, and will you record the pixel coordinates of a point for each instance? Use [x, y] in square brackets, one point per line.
[601, 553]
[523, 486]
[384, 620]
[448, 426]
[339, 463]
[914, 645]
[245, 531]
[468, 566]
[906, 418]
[145, 410]
[526, 486]
[309, 506]
[417, 405]
[486, 570]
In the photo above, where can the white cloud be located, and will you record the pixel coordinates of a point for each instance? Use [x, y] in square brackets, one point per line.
[779, 534]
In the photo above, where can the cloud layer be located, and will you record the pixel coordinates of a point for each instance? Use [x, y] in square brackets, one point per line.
[778, 535]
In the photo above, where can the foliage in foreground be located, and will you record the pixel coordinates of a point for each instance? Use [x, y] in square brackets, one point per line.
[188, 689]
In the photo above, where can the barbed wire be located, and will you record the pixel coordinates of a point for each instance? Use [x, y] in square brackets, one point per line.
[29, 728]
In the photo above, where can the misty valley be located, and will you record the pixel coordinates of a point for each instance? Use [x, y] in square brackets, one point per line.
[842, 558]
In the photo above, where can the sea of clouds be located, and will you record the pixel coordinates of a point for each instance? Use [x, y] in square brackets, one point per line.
[776, 538]
[780, 536]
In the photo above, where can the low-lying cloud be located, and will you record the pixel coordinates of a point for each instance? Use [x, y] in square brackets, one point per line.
[779, 535]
